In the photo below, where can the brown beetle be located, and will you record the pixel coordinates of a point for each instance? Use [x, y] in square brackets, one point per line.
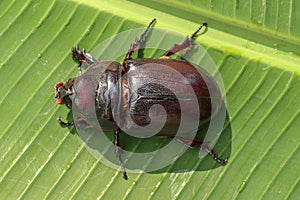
[126, 91]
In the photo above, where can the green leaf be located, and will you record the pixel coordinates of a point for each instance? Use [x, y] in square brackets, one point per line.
[255, 45]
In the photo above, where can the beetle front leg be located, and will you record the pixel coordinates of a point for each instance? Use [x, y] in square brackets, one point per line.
[118, 151]
[81, 57]
[61, 122]
[137, 43]
[187, 44]
[196, 143]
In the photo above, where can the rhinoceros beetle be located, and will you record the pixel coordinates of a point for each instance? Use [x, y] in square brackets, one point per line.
[129, 87]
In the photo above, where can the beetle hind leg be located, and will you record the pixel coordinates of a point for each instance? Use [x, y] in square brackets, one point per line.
[196, 143]
[211, 152]
[186, 45]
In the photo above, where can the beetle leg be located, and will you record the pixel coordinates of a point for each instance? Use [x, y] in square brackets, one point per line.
[196, 143]
[118, 151]
[81, 57]
[137, 43]
[211, 152]
[187, 44]
[61, 122]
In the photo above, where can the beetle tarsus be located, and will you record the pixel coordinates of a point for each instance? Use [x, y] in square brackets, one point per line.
[61, 122]
[213, 154]
[194, 35]
[186, 45]
[196, 143]
[118, 151]
[137, 43]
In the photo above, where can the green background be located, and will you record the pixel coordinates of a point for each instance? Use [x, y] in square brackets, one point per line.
[256, 46]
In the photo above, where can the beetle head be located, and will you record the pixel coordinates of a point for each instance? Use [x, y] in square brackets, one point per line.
[64, 92]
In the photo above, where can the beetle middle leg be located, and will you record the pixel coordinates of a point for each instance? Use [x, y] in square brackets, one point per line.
[118, 151]
[137, 43]
[187, 44]
[196, 143]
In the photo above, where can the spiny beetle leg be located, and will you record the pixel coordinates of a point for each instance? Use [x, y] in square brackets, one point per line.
[213, 154]
[81, 57]
[187, 44]
[137, 43]
[61, 122]
[118, 151]
[196, 143]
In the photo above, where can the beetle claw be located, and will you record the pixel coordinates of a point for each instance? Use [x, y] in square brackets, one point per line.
[194, 35]
[76, 48]
[125, 176]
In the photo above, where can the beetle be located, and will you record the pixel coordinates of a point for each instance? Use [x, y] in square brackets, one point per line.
[134, 94]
